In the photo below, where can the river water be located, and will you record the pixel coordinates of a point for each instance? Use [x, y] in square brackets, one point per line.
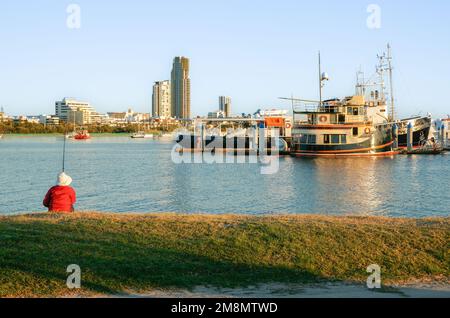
[118, 174]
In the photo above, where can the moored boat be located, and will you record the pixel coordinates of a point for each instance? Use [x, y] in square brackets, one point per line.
[357, 125]
[71, 135]
[347, 127]
[141, 135]
[82, 135]
[421, 126]
[428, 147]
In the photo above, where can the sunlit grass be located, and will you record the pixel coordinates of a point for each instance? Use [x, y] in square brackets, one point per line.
[138, 252]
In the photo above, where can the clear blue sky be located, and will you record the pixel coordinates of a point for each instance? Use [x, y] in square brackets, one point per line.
[253, 51]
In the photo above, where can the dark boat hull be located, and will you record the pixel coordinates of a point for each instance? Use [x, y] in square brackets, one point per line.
[190, 142]
[421, 130]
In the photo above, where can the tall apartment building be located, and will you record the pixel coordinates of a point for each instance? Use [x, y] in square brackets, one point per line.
[72, 110]
[181, 88]
[225, 105]
[161, 100]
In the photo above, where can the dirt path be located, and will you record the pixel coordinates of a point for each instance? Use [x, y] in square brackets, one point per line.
[326, 290]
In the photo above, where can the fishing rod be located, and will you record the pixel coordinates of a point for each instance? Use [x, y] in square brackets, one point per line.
[64, 151]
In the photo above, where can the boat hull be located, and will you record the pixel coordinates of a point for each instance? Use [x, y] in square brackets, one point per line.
[228, 143]
[421, 131]
[380, 143]
[142, 137]
[82, 137]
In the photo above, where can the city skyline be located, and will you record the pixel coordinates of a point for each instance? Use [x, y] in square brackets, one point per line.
[267, 52]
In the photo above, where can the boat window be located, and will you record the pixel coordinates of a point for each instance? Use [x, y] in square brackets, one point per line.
[311, 139]
[334, 139]
[342, 118]
[355, 111]
[303, 139]
[326, 139]
[343, 139]
[349, 111]
[355, 131]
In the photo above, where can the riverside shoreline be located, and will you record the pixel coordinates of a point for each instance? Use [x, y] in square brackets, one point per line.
[163, 255]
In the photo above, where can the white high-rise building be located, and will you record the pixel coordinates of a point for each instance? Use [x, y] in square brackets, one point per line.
[161, 100]
[70, 109]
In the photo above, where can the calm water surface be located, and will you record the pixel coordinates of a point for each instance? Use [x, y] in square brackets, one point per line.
[123, 175]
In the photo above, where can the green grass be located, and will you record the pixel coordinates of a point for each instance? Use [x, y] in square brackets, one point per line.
[138, 252]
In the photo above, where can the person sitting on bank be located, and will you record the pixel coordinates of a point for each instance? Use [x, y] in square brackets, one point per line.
[61, 197]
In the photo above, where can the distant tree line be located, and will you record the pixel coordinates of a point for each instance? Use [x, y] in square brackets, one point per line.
[34, 128]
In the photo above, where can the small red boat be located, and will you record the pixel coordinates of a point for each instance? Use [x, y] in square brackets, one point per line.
[82, 135]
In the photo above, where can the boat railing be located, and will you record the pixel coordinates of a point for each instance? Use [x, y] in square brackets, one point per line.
[314, 108]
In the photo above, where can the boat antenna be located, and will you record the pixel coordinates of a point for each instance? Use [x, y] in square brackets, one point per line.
[389, 58]
[322, 77]
[292, 103]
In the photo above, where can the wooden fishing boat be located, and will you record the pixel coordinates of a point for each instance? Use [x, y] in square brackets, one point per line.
[357, 125]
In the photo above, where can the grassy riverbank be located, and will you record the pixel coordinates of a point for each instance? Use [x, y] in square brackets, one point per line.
[141, 252]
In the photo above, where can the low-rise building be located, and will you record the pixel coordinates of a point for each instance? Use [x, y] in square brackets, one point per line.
[217, 114]
[128, 117]
[20, 119]
[50, 120]
[33, 119]
[117, 117]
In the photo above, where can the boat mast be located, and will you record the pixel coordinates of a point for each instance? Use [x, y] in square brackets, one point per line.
[381, 68]
[389, 58]
[320, 82]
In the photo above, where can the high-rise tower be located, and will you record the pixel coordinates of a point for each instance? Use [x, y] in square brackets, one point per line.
[181, 88]
[161, 101]
[225, 105]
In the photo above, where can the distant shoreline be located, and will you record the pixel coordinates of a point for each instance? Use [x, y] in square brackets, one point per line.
[141, 254]
[61, 135]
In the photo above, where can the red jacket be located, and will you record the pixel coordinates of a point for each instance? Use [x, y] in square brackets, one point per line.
[60, 199]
